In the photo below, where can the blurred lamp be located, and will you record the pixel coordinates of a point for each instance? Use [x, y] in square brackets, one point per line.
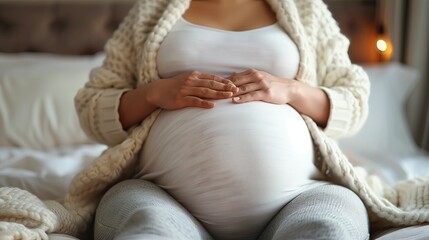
[383, 44]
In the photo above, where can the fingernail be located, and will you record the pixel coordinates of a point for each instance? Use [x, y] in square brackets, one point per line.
[237, 99]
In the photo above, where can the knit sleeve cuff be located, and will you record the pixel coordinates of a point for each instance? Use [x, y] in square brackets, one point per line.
[340, 113]
[109, 126]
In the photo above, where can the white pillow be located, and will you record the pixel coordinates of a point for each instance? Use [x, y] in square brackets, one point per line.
[36, 99]
[386, 130]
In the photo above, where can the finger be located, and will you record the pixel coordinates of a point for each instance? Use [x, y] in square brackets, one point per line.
[243, 79]
[213, 84]
[203, 92]
[225, 81]
[246, 88]
[248, 97]
[197, 102]
[208, 76]
[248, 71]
[250, 75]
[212, 78]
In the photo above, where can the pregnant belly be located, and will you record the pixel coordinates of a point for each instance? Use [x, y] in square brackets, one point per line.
[234, 166]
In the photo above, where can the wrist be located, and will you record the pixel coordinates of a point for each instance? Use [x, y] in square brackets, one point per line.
[311, 101]
[134, 106]
[297, 91]
[149, 93]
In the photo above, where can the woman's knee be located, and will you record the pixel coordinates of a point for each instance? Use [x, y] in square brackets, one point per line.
[125, 195]
[340, 213]
[121, 201]
[325, 212]
[138, 208]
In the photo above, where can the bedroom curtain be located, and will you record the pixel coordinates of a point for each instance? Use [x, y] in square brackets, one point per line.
[406, 22]
[417, 55]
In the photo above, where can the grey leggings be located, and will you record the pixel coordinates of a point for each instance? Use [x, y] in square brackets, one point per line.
[139, 210]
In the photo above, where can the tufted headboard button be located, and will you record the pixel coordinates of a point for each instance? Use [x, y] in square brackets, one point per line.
[59, 25]
[5, 27]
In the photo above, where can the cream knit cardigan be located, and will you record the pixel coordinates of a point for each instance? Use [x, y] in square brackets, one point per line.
[131, 60]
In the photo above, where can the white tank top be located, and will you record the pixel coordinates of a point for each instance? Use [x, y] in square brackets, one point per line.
[235, 165]
[191, 47]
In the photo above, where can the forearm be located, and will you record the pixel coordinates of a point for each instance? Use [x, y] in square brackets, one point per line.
[135, 106]
[313, 102]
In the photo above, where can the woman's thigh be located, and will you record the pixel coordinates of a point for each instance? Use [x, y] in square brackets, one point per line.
[138, 209]
[325, 212]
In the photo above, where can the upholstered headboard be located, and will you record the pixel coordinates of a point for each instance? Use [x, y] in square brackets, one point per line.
[82, 27]
[59, 27]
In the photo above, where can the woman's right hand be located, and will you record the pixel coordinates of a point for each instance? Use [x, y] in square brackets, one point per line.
[191, 89]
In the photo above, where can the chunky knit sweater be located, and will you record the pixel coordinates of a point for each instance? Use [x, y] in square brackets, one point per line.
[131, 61]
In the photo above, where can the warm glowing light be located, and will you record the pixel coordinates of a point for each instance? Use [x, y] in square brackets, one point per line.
[381, 45]
[384, 45]
[385, 48]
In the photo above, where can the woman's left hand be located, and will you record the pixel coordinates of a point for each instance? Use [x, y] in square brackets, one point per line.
[257, 85]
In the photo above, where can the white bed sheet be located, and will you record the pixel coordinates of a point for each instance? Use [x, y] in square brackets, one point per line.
[407, 233]
[47, 174]
[393, 168]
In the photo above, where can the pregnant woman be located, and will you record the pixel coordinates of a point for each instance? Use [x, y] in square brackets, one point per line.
[221, 89]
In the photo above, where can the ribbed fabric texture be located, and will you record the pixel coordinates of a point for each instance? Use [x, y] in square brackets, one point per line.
[131, 60]
[139, 209]
[108, 125]
[325, 212]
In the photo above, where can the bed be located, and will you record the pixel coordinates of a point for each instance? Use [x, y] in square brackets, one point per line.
[47, 50]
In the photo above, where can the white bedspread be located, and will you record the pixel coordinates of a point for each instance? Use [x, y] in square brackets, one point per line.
[392, 168]
[47, 174]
